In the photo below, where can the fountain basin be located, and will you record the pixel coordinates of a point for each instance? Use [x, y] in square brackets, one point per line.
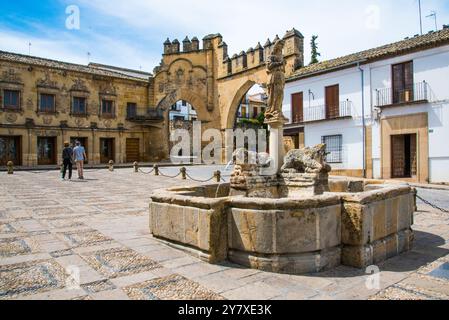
[293, 235]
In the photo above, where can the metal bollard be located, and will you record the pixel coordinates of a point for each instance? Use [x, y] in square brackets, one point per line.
[111, 165]
[217, 175]
[156, 170]
[184, 173]
[136, 167]
[10, 166]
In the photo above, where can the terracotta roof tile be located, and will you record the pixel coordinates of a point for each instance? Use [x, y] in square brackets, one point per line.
[47, 63]
[430, 40]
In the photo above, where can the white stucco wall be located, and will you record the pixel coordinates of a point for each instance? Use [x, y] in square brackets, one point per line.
[431, 66]
[350, 84]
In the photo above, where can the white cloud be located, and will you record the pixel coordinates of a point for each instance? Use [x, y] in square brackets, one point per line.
[343, 26]
[130, 33]
[68, 47]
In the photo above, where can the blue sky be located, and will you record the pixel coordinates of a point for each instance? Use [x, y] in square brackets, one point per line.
[130, 33]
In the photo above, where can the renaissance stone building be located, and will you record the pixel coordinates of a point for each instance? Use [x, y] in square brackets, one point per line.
[120, 114]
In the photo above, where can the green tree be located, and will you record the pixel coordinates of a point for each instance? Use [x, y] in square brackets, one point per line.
[315, 53]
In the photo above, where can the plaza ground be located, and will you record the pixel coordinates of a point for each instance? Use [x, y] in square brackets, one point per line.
[98, 228]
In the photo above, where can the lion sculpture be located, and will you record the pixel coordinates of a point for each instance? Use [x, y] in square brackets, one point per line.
[306, 160]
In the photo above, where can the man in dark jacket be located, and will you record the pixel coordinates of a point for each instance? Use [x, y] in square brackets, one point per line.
[67, 157]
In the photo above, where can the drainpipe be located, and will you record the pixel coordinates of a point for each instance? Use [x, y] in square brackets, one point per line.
[362, 76]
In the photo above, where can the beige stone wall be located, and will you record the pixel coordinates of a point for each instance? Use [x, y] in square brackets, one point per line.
[213, 82]
[377, 225]
[207, 78]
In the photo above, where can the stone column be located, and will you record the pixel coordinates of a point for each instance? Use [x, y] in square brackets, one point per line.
[276, 128]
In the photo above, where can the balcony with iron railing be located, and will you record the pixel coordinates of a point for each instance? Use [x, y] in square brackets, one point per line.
[416, 93]
[322, 113]
[142, 115]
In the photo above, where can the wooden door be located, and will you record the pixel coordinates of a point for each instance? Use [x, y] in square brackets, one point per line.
[132, 150]
[106, 150]
[414, 155]
[404, 156]
[403, 90]
[298, 107]
[46, 150]
[10, 150]
[332, 102]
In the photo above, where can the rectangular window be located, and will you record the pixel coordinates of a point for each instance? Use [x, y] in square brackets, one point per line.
[334, 148]
[131, 110]
[333, 102]
[243, 112]
[297, 108]
[402, 74]
[255, 112]
[11, 99]
[184, 103]
[47, 103]
[79, 105]
[107, 107]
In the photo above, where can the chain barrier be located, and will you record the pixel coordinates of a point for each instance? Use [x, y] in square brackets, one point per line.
[182, 172]
[432, 205]
[168, 176]
[141, 171]
[200, 181]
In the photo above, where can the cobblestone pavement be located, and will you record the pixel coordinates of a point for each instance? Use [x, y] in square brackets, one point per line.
[51, 230]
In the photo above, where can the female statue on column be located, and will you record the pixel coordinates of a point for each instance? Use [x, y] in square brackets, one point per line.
[276, 84]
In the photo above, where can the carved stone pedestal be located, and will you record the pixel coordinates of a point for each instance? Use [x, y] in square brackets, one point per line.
[303, 184]
[247, 182]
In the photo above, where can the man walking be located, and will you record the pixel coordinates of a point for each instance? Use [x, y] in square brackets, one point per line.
[80, 155]
[67, 156]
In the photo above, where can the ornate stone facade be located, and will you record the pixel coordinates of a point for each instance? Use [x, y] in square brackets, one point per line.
[207, 78]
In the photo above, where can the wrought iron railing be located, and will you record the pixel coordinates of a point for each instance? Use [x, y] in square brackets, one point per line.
[318, 113]
[413, 93]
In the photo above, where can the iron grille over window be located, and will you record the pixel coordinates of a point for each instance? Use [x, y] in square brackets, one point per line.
[334, 148]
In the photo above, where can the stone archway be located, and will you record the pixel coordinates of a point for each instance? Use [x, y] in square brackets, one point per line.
[237, 88]
[211, 80]
[189, 96]
[196, 101]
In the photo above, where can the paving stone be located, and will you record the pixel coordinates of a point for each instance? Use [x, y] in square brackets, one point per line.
[253, 291]
[119, 262]
[84, 238]
[100, 228]
[116, 294]
[133, 279]
[16, 246]
[98, 286]
[59, 294]
[174, 287]
[30, 278]
[197, 270]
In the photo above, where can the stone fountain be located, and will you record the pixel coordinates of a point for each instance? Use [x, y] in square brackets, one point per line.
[284, 213]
